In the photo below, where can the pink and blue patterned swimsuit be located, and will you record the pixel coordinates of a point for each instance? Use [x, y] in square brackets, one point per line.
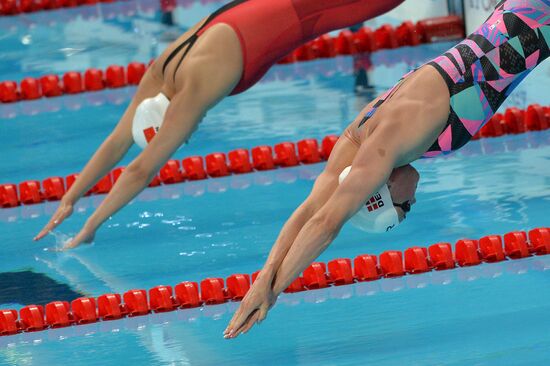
[484, 69]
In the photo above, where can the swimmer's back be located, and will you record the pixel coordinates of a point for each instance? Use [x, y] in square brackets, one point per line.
[269, 30]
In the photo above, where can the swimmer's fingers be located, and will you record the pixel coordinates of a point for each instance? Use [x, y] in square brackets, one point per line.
[262, 313]
[236, 321]
[84, 236]
[245, 310]
[249, 323]
[54, 221]
[256, 317]
[63, 211]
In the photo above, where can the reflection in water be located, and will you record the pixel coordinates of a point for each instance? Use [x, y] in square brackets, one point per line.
[27, 287]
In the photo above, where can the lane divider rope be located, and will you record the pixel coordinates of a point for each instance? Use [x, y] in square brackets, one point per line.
[16, 7]
[346, 43]
[337, 272]
[241, 161]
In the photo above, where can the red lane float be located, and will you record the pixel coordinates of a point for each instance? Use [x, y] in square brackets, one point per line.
[134, 72]
[468, 252]
[407, 35]
[237, 286]
[340, 271]
[540, 240]
[194, 168]
[53, 188]
[385, 37]
[72, 82]
[416, 260]
[364, 40]
[296, 286]
[84, 310]
[8, 196]
[93, 80]
[315, 276]
[109, 307]
[490, 248]
[32, 318]
[8, 92]
[285, 154]
[440, 29]
[262, 158]
[115, 76]
[136, 302]
[323, 47]
[8, 7]
[171, 173]
[441, 256]
[515, 245]
[14, 7]
[58, 314]
[344, 44]
[391, 263]
[308, 151]
[187, 294]
[239, 161]
[327, 145]
[29, 192]
[50, 86]
[212, 291]
[30, 89]
[8, 322]
[116, 173]
[161, 299]
[365, 268]
[216, 165]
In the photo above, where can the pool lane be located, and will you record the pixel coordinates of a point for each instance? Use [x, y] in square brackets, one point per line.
[222, 226]
[486, 315]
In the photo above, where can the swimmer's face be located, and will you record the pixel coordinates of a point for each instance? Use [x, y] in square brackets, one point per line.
[402, 184]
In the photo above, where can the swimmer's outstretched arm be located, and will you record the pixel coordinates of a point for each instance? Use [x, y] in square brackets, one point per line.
[386, 148]
[111, 151]
[342, 155]
[186, 110]
[369, 172]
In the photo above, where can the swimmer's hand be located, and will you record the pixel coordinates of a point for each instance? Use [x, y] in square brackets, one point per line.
[64, 210]
[86, 235]
[253, 309]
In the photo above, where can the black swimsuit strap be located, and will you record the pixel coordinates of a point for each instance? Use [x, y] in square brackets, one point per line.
[175, 52]
[191, 42]
[193, 38]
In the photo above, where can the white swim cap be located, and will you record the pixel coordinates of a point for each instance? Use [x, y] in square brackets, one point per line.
[148, 119]
[378, 214]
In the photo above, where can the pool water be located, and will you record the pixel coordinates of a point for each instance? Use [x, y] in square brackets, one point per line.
[493, 314]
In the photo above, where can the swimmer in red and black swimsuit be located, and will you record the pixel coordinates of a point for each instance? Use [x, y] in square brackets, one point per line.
[269, 30]
[224, 54]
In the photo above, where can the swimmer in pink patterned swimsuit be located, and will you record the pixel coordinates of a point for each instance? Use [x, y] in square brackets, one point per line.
[433, 110]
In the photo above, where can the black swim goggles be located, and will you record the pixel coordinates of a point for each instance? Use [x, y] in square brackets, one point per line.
[405, 206]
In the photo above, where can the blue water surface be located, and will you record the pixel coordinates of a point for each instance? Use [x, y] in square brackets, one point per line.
[493, 314]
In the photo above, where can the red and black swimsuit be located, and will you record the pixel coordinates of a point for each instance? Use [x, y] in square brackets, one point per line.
[270, 29]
